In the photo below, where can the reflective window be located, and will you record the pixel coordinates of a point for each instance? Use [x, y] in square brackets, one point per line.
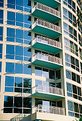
[18, 53]
[19, 19]
[0, 50]
[10, 67]
[18, 68]
[1, 3]
[69, 16]
[11, 18]
[74, 91]
[70, 4]
[24, 5]
[9, 81]
[72, 62]
[10, 51]
[10, 34]
[17, 105]
[0, 66]
[1, 33]
[68, 30]
[1, 16]
[19, 36]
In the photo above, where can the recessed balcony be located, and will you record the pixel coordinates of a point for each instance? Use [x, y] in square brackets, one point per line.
[47, 61]
[46, 29]
[50, 3]
[46, 13]
[46, 44]
[47, 92]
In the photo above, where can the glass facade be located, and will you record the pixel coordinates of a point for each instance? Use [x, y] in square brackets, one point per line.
[32, 76]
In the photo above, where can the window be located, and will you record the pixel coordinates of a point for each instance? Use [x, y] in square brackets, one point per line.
[0, 66]
[11, 18]
[1, 16]
[19, 19]
[1, 3]
[74, 91]
[74, 109]
[70, 4]
[10, 51]
[71, 32]
[17, 104]
[1, 50]
[71, 61]
[10, 34]
[38, 71]
[10, 67]
[1, 33]
[24, 5]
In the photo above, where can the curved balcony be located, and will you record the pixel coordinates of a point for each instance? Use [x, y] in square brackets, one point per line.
[48, 61]
[46, 29]
[50, 3]
[46, 13]
[46, 44]
[47, 92]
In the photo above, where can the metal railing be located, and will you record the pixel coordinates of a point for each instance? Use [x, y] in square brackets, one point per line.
[50, 109]
[46, 57]
[47, 24]
[47, 9]
[49, 89]
[45, 40]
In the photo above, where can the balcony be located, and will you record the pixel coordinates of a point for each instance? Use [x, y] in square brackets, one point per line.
[46, 29]
[50, 109]
[46, 44]
[47, 92]
[50, 3]
[47, 61]
[46, 13]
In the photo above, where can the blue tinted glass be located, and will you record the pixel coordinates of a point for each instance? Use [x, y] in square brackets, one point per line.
[1, 16]
[19, 2]
[10, 32]
[18, 82]
[19, 57]
[0, 50]
[0, 66]
[9, 81]
[1, 33]
[19, 50]
[19, 33]
[10, 67]
[11, 16]
[26, 3]
[18, 68]
[11, 1]
[27, 69]
[10, 49]
[1, 3]
[27, 52]
[19, 17]
[8, 89]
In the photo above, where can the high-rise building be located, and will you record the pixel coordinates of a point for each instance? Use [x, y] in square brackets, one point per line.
[40, 60]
